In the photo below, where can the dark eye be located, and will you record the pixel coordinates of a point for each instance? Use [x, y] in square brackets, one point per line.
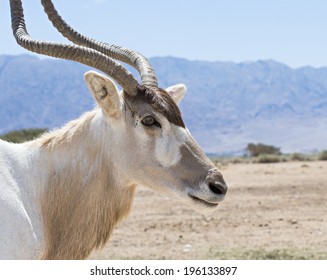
[150, 121]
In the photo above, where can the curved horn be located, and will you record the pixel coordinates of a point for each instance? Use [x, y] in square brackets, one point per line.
[135, 59]
[80, 54]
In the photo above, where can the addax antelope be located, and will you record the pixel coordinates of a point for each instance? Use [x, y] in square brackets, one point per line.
[62, 194]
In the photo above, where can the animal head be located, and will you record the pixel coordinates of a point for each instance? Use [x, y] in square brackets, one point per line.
[159, 151]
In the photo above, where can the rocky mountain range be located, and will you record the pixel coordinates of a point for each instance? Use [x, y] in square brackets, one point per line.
[227, 105]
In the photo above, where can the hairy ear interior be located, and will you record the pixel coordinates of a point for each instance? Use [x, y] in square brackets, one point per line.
[105, 93]
[177, 92]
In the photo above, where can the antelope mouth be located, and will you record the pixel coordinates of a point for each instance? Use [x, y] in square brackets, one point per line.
[202, 201]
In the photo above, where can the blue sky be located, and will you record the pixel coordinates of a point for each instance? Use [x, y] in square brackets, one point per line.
[290, 31]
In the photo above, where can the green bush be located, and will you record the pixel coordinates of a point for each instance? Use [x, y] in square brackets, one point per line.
[19, 136]
[323, 155]
[261, 149]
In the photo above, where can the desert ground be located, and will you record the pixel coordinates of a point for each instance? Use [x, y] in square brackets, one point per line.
[271, 211]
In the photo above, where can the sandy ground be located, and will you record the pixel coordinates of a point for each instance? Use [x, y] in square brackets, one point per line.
[277, 209]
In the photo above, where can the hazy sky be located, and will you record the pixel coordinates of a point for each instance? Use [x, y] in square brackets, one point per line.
[289, 31]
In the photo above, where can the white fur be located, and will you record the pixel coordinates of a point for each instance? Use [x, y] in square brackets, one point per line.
[20, 226]
[167, 150]
[177, 92]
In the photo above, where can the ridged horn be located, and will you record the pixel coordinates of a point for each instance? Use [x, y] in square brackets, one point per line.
[80, 54]
[135, 59]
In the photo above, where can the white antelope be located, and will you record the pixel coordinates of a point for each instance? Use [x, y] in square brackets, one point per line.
[62, 194]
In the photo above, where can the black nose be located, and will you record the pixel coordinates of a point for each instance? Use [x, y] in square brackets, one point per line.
[216, 183]
[218, 188]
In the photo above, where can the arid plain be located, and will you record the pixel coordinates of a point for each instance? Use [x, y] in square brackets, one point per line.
[272, 211]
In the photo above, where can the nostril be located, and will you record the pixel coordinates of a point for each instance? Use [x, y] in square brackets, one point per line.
[217, 188]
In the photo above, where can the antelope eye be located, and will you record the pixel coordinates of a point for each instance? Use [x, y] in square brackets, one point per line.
[150, 121]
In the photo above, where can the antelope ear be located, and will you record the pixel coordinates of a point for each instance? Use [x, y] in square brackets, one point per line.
[177, 92]
[104, 92]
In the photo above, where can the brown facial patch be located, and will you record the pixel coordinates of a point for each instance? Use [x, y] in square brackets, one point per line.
[161, 102]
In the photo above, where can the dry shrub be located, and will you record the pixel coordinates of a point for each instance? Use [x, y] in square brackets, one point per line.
[298, 157]
[323, 155]
[268, 159]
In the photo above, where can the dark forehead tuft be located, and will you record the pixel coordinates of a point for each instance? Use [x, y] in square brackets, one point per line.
[161, 102]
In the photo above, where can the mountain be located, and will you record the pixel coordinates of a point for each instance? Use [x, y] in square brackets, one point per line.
[227, 104]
